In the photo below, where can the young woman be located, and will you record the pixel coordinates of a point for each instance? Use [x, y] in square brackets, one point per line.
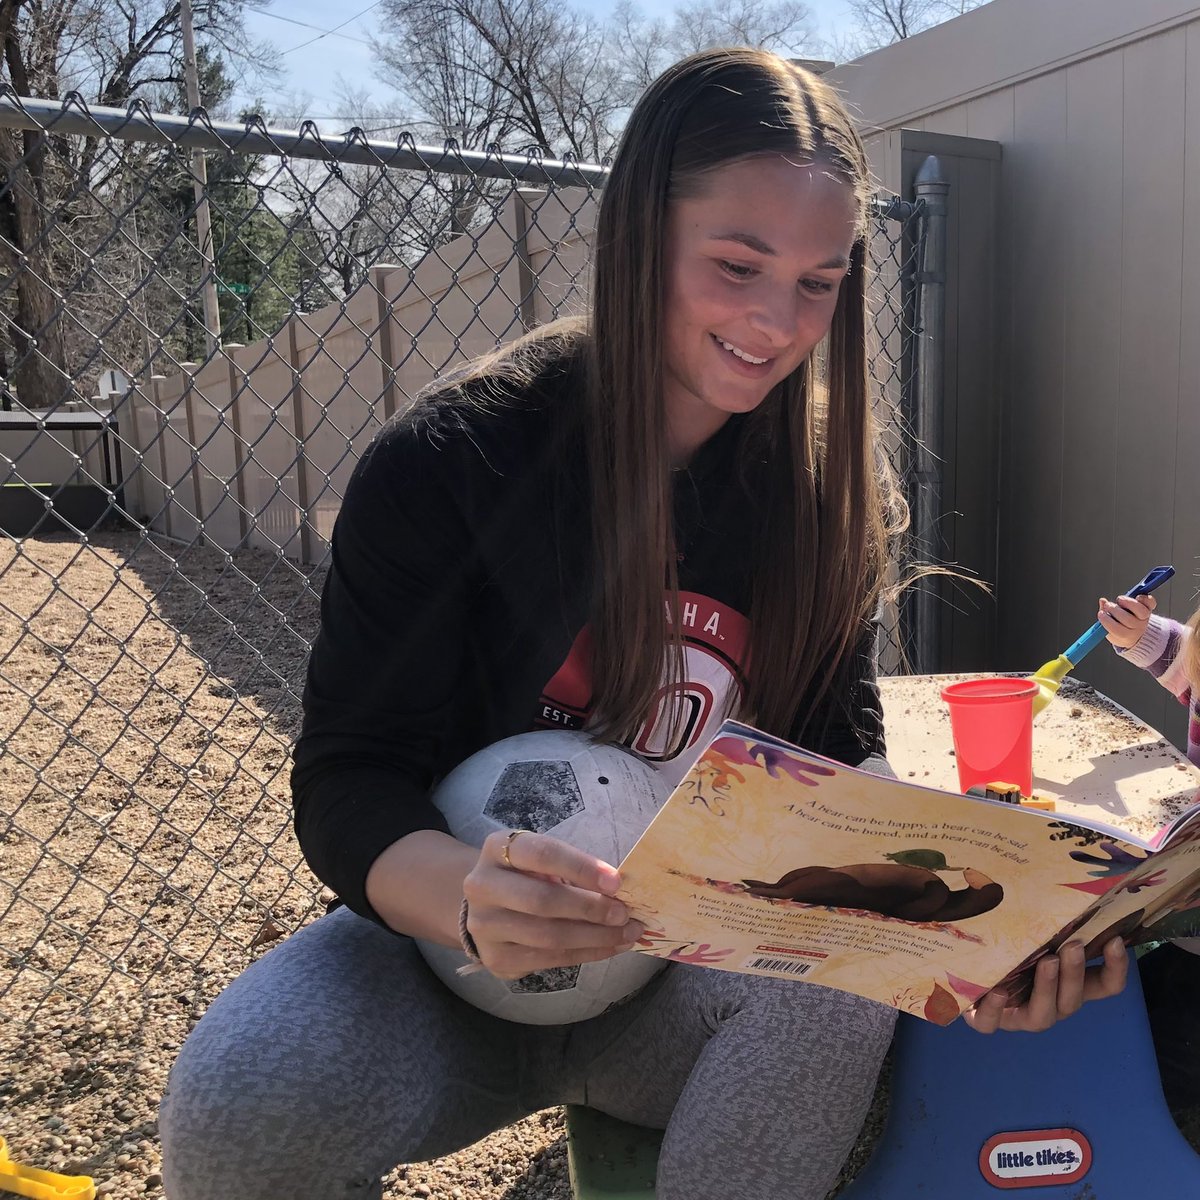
[634, 524]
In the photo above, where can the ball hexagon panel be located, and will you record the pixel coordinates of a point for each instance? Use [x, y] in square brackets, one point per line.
[534, 795]
[553, 979]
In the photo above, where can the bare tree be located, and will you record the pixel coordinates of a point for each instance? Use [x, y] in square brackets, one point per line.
[513, 74]
[648, 46]
[783, 25]
[111, 51]
[362, 215]
[539, 73]
[878, 23]
[36, 339]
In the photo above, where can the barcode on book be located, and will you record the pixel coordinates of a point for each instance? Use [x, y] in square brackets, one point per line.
[778, 964]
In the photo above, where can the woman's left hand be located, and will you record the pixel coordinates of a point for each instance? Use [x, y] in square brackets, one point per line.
[1062, 984]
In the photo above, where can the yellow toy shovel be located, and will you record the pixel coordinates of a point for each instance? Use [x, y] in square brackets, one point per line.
[41, 1185]
[1050, 675]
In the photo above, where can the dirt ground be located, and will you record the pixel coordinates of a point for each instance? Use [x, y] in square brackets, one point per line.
[147, 708]
[148, 699]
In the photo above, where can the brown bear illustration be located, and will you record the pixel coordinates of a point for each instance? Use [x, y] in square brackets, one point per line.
[910, 893]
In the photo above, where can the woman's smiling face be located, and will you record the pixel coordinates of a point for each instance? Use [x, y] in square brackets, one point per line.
[754, 262]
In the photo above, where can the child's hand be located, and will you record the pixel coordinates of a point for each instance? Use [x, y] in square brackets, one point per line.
[1126, 619]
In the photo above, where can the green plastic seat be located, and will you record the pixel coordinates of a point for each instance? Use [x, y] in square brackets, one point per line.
[610, 1159]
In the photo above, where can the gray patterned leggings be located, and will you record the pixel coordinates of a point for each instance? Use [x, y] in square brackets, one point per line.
[338, 1055]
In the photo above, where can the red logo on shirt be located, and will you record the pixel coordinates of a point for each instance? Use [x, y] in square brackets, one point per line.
[715, 640]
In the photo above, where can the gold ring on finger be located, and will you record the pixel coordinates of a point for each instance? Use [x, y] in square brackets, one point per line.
[508, 841]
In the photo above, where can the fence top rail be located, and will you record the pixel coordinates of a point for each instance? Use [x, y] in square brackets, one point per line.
[886, 207]
[198, 131]
[11, 422]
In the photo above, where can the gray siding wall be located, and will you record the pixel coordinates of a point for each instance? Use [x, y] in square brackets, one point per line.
[1096, 105]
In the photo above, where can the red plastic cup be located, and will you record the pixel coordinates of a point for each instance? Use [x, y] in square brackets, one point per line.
[992, 723]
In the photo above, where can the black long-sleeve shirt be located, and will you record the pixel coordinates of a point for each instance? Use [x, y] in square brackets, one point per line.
[455, 614]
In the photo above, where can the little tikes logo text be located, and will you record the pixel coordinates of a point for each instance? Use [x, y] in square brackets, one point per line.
[1035, 1158]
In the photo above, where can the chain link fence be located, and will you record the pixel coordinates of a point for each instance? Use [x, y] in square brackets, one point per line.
[177, 425]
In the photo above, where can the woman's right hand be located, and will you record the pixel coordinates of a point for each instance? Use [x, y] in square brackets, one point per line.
[543, 904]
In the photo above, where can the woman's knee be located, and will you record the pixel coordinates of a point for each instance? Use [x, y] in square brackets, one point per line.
[246, 1101]
[844, 1032]
[774, 1105]
[278, 1072]
[335, 1055]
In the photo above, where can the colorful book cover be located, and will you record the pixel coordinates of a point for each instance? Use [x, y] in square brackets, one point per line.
[769, 860]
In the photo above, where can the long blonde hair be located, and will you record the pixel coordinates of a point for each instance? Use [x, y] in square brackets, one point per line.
[1191, 661]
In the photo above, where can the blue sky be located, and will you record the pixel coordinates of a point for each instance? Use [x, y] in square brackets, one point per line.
[312, 70]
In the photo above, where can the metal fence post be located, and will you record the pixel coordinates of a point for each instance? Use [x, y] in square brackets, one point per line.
[204, 237]
[378, 277]
[931, 187]
[526, 276]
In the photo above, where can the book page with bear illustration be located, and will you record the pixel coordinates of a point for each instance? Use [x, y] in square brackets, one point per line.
[773, 861]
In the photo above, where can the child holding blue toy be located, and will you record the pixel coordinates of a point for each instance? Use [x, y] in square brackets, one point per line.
[1170, 974]
[1168, 650]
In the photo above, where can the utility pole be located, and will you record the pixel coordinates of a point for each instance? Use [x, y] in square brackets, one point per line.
[212, 311]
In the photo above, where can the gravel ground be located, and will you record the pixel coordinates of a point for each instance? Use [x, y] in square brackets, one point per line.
[147, 704]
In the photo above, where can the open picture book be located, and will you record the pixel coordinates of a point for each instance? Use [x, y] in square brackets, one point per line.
[770, 860]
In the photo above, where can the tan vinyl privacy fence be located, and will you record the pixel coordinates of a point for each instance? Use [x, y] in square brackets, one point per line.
[254, 446]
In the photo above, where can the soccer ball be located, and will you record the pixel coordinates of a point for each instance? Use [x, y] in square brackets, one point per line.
[598, 798]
